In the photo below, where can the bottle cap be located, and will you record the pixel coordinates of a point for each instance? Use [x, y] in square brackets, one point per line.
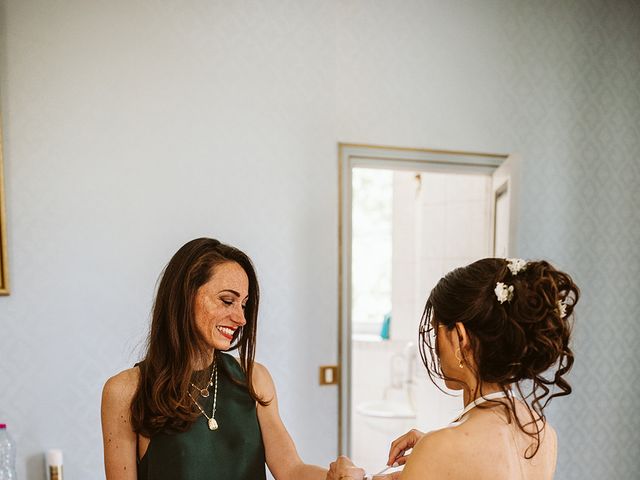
[54, 457]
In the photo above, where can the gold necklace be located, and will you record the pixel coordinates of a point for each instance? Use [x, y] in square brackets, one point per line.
[211, 421]
[204, 392]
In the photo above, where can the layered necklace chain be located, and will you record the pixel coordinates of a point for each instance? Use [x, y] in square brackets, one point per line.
[204, 392]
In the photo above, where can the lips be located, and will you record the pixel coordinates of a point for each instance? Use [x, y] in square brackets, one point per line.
[227, 332]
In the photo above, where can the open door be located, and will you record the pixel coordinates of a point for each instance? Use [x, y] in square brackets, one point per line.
[377, 374]
[505, 186]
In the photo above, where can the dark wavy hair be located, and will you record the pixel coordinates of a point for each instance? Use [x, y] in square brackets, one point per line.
[161, 402]
[522, 343]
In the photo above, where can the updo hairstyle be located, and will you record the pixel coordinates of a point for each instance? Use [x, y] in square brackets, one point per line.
[520, 344]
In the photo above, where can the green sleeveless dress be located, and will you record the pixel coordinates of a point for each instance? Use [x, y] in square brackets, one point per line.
[232, 452]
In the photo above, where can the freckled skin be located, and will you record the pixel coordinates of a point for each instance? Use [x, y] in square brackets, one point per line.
[219, 303]
[216, 307]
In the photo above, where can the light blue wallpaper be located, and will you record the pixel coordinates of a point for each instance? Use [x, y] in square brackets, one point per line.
[133, 126]
[576, 68]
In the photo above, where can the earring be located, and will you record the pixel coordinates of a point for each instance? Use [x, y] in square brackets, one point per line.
[459, 358]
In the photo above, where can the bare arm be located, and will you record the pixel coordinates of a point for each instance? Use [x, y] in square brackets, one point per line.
[281, 454]
[118, 437]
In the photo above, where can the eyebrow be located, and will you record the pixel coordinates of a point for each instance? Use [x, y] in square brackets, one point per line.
[232, 291]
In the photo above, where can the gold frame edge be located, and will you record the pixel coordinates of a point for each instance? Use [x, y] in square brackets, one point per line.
[4, 254]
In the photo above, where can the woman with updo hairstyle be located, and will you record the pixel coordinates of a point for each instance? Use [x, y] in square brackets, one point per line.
[499, 330]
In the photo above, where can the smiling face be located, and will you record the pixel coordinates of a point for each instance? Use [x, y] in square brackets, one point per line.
[220, 304]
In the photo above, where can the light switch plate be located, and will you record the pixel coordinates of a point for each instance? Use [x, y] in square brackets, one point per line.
[328, 375]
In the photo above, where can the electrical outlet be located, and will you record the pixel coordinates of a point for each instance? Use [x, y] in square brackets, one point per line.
[329, 375]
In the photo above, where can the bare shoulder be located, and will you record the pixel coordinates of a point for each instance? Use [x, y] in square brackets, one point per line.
[441, 439]
[117, 395]
[484, 441]
[262, 381]
[550, 436]
[120, 389]
[118, 436]
[437, 452]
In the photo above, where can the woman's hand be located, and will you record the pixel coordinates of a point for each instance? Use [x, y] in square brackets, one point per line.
[398, 451]
[344, 469]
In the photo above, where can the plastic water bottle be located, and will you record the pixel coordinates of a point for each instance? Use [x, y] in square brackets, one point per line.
[7, 455]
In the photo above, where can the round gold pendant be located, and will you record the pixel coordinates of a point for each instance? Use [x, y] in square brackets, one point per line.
[213, 425]
[204, 392]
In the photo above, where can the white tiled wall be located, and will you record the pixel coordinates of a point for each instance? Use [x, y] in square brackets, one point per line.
[439, 222]
[378, 373]
[403, 259]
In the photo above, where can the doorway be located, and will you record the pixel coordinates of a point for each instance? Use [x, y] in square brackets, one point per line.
[408, 216]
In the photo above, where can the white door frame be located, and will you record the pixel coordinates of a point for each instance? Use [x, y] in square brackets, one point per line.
[385, 157]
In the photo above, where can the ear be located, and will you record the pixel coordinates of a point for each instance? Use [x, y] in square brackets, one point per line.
[463, 341]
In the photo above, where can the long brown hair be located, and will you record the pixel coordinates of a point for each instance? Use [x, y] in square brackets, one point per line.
[522, 343]
[161, 401]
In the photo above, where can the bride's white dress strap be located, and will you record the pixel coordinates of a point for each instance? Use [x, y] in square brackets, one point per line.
[479, 401]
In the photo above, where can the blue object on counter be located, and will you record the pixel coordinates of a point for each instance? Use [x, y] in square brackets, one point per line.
[386, 323]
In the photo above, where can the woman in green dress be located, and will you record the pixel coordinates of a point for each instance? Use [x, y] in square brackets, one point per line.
[188, 410]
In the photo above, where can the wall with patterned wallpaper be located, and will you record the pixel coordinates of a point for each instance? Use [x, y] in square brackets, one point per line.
[131, 127]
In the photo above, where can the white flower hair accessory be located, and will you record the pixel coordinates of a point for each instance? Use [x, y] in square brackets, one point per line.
[504, 293]
[516, 265]
[562, 309]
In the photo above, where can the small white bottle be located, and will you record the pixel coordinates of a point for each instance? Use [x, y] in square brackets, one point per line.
[54, 464]
[7, 455]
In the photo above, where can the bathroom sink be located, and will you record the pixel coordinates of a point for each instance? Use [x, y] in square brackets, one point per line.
[386, 409]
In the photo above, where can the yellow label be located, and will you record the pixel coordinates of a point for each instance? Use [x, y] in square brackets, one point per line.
[55, 472]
